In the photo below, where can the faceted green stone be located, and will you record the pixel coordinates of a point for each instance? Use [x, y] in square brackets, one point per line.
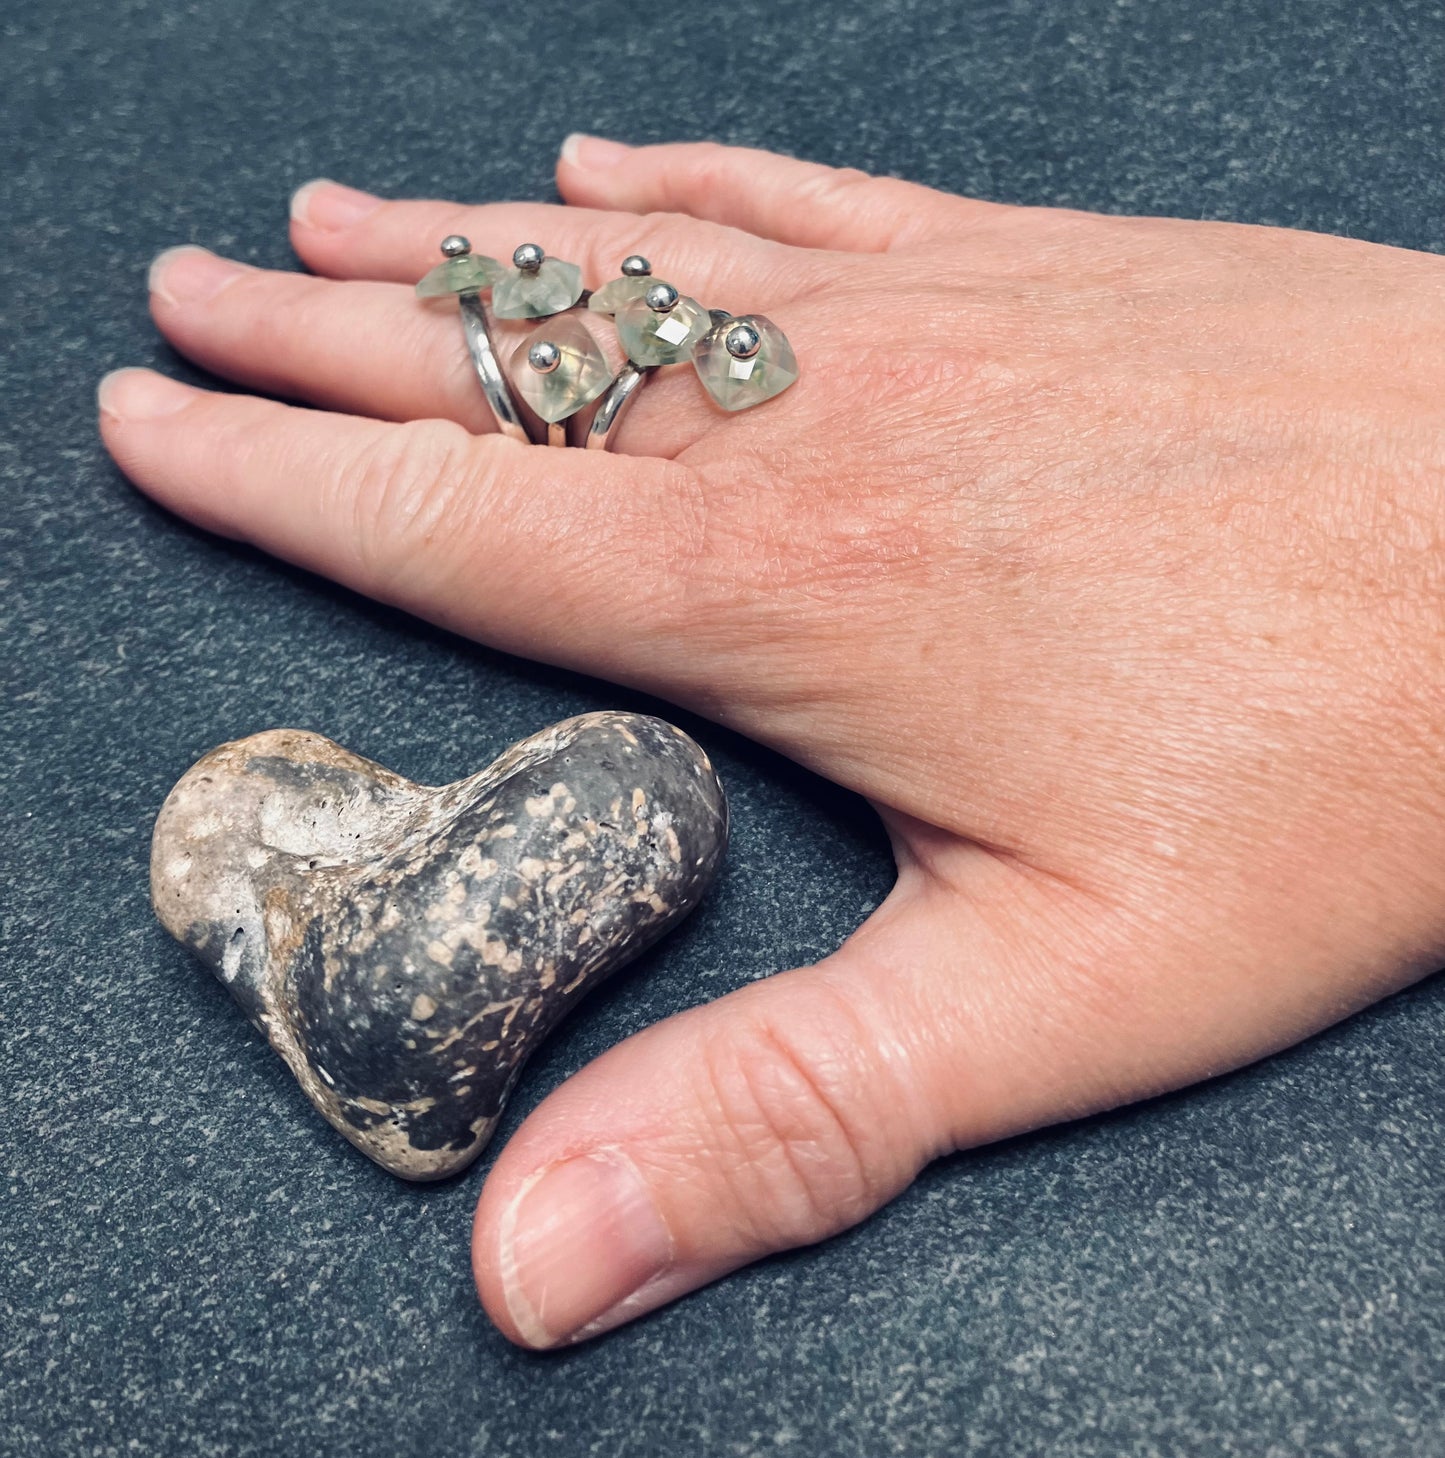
[460, 276]
[554, 287]
[612, 296]
[582, 373]
[651, 338]
[738, 383]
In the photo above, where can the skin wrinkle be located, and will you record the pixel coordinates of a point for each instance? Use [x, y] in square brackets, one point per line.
[775, 1113]
[916, 1063]
[405, 489]
[246, 462]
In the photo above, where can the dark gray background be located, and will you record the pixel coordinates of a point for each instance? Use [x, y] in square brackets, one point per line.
[190, 1261]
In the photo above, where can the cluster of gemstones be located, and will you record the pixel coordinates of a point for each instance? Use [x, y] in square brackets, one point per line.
[558, 369]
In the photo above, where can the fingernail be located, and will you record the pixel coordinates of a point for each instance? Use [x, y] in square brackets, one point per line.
[135, 394]
[580, 1238]
[593, 153]
[191, 275]
[330, 206]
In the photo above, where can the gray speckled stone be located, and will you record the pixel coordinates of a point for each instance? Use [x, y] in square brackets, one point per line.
[405, 948]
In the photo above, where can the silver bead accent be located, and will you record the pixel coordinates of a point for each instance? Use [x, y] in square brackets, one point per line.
[544, 356]
[742, 341]
[455, 246]
[661, 297]
[635, 266]
[528, 257]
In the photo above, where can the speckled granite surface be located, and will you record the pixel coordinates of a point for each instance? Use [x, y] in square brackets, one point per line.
[191, 1262]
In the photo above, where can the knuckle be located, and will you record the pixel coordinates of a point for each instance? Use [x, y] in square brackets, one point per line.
[843, 185]
[407, 491]
[269, 311]
[683, 250]
[654, 234]
[798, 1166]
[890, 208]
[843, 180]
[710, 166]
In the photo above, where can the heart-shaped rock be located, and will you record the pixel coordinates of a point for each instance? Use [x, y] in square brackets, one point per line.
[404, 947]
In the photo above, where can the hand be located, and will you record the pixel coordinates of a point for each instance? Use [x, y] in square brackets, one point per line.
[1104, 555]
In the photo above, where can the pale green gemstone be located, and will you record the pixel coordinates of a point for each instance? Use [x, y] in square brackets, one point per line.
[612, 296]
[651, 338]
[582, 373]
[737, 383]
[554, 287]
[460, 276]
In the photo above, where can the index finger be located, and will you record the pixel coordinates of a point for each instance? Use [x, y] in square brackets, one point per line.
[580, 558]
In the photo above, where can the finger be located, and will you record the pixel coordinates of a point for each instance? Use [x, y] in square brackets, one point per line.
[362, 347]
[799, 203]
[983, 999]
[769, 1119]
[370, 348]
[573, 556]
[345, 234]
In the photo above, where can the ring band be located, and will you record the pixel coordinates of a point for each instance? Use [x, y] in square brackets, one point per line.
[559, 369]
[489, 372]
[620, 394]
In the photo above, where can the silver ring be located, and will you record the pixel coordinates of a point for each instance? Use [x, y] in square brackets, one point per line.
[630, 379]
[559, 369]
[489, 372]
[464, 275]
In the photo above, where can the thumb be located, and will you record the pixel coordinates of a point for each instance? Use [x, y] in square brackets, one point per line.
[985, 997]
[772, 1118]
